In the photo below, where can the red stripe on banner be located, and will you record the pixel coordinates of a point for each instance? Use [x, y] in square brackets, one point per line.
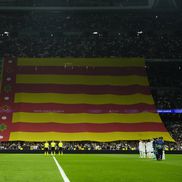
[83, 108]
[78, 70]
[88, 127]
[79, 89]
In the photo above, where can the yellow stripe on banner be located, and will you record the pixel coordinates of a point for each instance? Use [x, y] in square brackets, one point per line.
[108, 62]
[82, 98]
[100, 137]
[84, 118]
[81, 79]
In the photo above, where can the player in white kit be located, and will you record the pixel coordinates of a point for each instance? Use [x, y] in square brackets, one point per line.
[163, 155]
[150, 149]
[142, 149]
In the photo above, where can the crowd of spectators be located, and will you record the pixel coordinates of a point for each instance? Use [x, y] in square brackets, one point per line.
[165, 79]
[91, 34]
[104, 34]
[173, 123]
[81, 146]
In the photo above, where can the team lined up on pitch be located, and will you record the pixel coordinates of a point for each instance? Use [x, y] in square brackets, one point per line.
[152, 149]
[53, 147]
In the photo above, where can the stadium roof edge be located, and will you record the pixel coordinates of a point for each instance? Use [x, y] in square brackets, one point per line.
[73, 8]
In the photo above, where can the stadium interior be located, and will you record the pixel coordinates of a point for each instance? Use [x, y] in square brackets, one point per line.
[35, 29]
[98, 75]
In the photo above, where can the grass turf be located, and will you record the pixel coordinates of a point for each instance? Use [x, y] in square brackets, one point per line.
[28, 168]
[89, 168]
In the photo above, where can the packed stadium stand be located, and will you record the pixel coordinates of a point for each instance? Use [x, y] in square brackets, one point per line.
[91, 34]
[152, 36]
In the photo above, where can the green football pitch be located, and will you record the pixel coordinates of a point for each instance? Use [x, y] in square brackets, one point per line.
[89, 168]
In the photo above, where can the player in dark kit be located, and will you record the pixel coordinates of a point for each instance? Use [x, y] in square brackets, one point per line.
[154, 147]
[60, 145]
[53, 148]
[159, 148]
[46, 148]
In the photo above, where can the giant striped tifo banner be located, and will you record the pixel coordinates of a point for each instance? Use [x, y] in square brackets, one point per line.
[77, 99]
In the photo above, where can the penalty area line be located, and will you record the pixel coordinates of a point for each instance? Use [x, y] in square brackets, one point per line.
[65, 178]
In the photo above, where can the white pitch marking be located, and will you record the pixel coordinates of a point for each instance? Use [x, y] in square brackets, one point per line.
[65, 178]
